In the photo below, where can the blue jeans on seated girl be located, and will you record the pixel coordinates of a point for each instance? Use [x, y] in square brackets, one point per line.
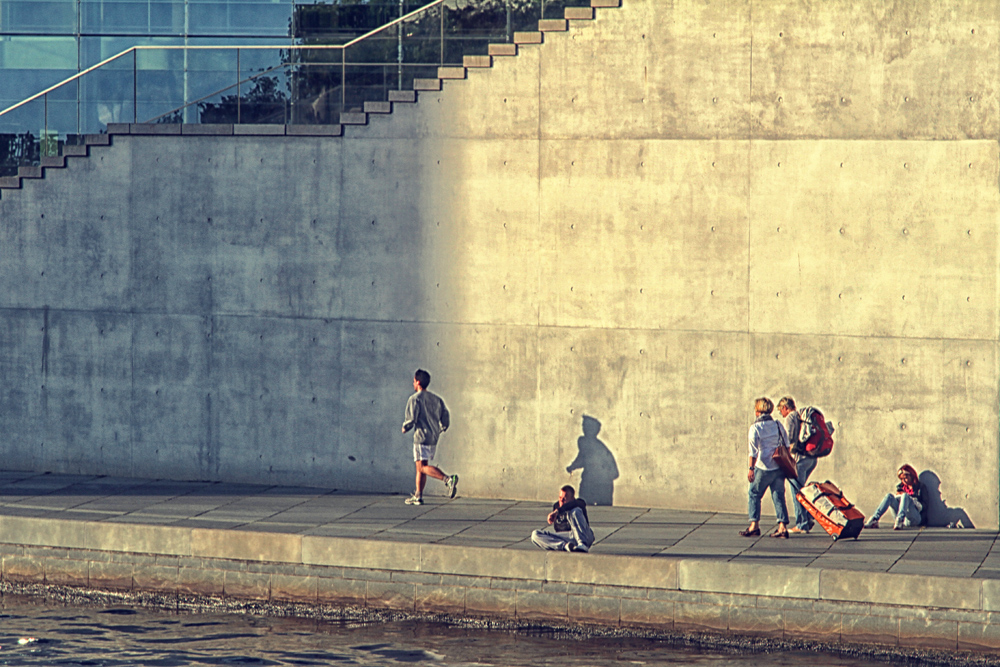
[905, 507]
[763, 480]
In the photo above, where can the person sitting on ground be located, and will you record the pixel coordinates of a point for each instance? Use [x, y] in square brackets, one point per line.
[765, 436]
[568, 515]
[907, 502]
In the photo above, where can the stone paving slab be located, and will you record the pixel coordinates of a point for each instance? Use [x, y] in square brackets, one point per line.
[482, 522]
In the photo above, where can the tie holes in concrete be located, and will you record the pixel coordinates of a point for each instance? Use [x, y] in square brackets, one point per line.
[902, 427]
[781, 34]
[842, 231]
[903, 361]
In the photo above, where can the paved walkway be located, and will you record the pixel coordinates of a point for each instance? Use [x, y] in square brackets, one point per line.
[500, 524]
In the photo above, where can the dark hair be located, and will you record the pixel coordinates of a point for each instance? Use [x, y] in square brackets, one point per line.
[569, 489]
[422, 377]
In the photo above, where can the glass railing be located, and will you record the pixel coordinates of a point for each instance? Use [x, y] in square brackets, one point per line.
[310, 83]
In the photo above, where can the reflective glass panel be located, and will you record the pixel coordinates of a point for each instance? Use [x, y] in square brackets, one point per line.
[44, 16]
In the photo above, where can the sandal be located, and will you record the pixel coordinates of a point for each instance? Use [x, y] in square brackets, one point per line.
[782, 534]
[750, 533]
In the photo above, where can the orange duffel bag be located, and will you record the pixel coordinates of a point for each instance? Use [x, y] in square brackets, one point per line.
[827, 504]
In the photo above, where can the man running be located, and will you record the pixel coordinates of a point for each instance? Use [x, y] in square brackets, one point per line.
[428, 416]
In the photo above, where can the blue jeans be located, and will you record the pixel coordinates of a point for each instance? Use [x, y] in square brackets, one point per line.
[903, 506]
[763, 480]
[804, 468]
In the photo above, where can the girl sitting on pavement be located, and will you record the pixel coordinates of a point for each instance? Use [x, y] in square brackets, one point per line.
[907, 502]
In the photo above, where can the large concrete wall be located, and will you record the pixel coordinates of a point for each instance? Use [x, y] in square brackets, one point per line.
[649, 220]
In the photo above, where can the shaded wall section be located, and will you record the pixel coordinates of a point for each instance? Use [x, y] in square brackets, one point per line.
[646, 221]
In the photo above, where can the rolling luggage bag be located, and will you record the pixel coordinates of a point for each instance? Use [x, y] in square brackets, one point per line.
[827, 504]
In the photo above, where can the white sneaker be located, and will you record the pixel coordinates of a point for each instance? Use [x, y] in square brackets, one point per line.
[452, 485]
[582, 548]
[414, 500]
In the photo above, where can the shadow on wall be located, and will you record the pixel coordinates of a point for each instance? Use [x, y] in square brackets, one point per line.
[597, 482]
[937, 511]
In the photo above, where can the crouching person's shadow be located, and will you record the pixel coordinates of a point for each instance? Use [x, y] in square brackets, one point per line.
[597, 481]
[937, 512]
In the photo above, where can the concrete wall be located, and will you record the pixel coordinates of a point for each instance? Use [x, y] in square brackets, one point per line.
[649, 220]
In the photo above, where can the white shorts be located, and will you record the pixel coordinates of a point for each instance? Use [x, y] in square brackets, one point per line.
[423, 452]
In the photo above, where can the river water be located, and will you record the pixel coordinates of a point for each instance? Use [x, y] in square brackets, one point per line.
[33, 633]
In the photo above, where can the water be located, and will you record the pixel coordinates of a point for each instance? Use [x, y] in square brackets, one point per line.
[122, 636]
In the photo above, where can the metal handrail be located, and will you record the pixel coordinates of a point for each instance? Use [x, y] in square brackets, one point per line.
[135, 49]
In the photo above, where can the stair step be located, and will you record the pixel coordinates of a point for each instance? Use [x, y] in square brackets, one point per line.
[118, 128]
[402, 96]
[354, 118]
[605, 3]
[503, 49]
[211, 129]
[527, 38]
[258, 130]
[427, 84]
[553, 25]
[54, 161]
[477, 61]
[29, 172]
[10, 182]
[97, 139]
[75, 151]
[314, 130]
[378, 107]
[155, 128]
[451, 72]
[579, 13]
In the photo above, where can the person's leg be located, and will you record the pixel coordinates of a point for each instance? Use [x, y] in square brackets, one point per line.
[908, 514]
[754, 493]
[776, 482]
[889, 502]
[548, 540]
[804, 467]
[582, 533]
[418, 484]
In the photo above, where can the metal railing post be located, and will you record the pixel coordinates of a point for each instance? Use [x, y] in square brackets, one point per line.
[135, 86]
[239, 96]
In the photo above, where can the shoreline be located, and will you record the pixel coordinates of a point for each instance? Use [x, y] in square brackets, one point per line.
[733, 643]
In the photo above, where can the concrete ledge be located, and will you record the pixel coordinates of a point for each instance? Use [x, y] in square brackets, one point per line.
[259, 130]
[605, 3]
[53, 161]
[451, 72]
[30, 172]
[578, 13]
[503, 49]
[378, 107]
[212, 129]
[10, 182]
[527, 38]
[402, 96]
[245, 545]
[427, 84]
[477, 62]
[723, 577]
[76, 151]
[553, 25]
[97, 139]
[353, 118]
[347, 552]
[612, 570]
[119, 128]
[902, 589]
[314, 130]
[155, 128]
[482, 562]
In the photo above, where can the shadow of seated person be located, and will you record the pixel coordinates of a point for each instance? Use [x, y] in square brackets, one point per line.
[597, 481]
[936, 510]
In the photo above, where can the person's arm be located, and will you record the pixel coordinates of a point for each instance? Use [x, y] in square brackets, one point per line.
[445, 417]
[412, 413]
[754, 451]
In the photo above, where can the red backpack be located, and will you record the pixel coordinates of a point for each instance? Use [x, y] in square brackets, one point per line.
[816, 435]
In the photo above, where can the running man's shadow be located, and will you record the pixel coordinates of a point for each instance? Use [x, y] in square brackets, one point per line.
[597, 482]
[937, 511]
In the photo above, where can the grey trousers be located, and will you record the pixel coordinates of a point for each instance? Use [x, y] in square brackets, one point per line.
[580, 533]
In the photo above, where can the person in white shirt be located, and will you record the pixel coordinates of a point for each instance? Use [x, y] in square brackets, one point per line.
[763, 474]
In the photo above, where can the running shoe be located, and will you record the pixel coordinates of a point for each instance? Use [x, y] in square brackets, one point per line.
[414, 500]
[452, 485]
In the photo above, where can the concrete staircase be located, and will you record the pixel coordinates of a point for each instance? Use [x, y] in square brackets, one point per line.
[453, 73]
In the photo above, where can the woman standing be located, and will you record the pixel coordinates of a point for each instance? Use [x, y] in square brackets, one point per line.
[765, 436]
